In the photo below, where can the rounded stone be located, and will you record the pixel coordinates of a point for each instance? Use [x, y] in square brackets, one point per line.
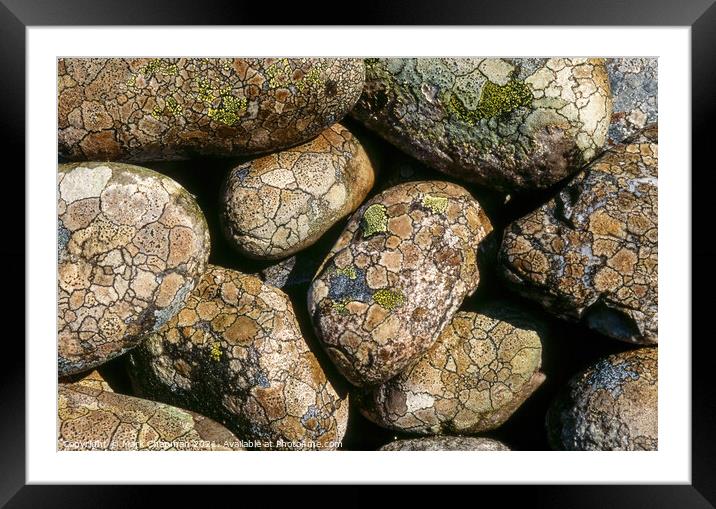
[403, 265]
[480, 370]
[635, 94]
[142, 109]
[235, 353]
[446, 443]
[591, 252]
[611, 406]
[510, 124]
[132, 245]
[279, 204]
[91, 419]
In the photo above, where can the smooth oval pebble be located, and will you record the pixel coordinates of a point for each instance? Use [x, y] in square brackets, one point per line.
[480, 370]
[591, 252]
[400, 269]
[279, 204]
[508, 124]
[91, 419]
[235, 353]
[142, 109]
[611, 406]
[132, 245]
[445, 443]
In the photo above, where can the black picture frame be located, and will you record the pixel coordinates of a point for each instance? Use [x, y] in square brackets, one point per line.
[700, 15]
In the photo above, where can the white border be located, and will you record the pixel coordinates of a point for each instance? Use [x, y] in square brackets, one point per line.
[670, 464]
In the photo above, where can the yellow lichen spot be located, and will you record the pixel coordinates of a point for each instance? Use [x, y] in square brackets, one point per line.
[389, 299]
[174, 107]
[215, 351]
[156, 112]
[340, 307]
[349, 272]
[495, 101]
[438, 204]
[132, 81]
[375, 220]
[279, 73]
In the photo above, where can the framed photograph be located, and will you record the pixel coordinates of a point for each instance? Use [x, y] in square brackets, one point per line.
[419, 249]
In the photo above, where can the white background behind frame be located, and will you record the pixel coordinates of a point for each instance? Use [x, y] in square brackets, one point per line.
[672, 463]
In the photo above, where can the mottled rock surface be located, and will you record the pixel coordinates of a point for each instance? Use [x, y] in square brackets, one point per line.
[612, 406]
[235, 353]
[590, 253]
[479, 371]
[634, 84]
[443, 443]
[279, 204]
[91, 419]
[504, 123]
[142, 109]
[132, 244]
[397, 273]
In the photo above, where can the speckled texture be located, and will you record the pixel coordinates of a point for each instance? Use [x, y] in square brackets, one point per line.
[90, 419]
[143, 109]
[400, 269]
[132, 245]
[611, 406]
[505, 123]
[590, 253]
[480, 370]
[235, 353]
[443, 443]
[279, 204]
[634, 84]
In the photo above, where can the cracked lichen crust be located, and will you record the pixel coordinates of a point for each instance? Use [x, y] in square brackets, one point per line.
[590, 253]
[142, 109]
[92, 419]
[445, 443]
[93, 380]
[480, 370]
[400, 269]
[505, 123]
[611, 406]
[235, 353]
[634, 84]
[279, 204]
[132, 244]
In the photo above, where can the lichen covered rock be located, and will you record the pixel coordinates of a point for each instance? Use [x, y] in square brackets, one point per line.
[480, 370]
[91, 419]
[505, 123]
[445, 443]
[235, 353]
[634, 84]
[400, 269]
[590, 253]
[279, 204]
[143, 109]
[611, 406]
[132, 245]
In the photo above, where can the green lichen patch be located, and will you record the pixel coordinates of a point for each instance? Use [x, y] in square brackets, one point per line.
[389, 299]
[159, 66]
[495, 101]
[230, 110]
[437, 204]
[375, 220]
